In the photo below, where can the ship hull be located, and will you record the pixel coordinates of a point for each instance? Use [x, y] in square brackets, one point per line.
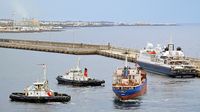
[162, 70]
[129, 94]
[90, 82]
[21, 97]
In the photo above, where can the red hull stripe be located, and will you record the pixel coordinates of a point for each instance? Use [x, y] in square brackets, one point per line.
[140, 93]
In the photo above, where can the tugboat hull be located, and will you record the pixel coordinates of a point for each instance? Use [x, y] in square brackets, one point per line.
[91, 82]
[21, 97]
[128, 94]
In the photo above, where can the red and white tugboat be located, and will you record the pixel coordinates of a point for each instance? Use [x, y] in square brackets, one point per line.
[78, 77]
[39, 92]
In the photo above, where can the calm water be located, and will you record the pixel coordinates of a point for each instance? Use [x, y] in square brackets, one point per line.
[19, 69]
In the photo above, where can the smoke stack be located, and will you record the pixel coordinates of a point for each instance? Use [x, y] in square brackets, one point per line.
[85, 72]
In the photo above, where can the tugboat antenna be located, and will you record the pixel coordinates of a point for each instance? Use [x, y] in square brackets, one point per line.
[45, 71]
[78, 62]
[44, 66]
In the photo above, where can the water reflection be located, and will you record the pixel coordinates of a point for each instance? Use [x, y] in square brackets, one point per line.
[177, 82]
[127, 105]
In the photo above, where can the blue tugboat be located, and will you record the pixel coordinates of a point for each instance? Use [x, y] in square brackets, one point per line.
[129, 83]
[39, 92]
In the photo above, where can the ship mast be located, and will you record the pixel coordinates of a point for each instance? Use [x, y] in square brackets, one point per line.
[44, 67]
[170, 40]
[170, 45]
[45, 71]
[126, 60]
[78, 63]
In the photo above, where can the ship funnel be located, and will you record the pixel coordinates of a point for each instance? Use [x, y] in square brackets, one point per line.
[86, 72]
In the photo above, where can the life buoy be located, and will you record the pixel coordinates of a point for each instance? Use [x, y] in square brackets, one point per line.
[151, 52]
[49, 93]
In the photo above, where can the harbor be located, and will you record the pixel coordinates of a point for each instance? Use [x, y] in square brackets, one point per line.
[102, 56]
[99, 56]
[79, 49]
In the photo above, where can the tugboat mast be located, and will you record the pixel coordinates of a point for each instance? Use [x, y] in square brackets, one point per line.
[44, 67]
[78, 63]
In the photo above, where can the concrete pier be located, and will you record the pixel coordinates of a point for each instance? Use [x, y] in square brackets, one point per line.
[196, 62]
[71, 48]
[78, 49]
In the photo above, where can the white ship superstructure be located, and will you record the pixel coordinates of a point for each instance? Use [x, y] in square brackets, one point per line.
[166, 61]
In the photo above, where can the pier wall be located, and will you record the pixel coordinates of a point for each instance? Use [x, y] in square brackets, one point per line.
[71, 48]
[53, 44]
[78, 49]
[196, 62]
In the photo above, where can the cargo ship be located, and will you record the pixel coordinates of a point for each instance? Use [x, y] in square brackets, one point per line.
[166, 61]
[78, 77]
[39, 92]
[129, 83]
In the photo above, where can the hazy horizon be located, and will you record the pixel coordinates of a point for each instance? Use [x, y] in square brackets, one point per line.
[130, 11]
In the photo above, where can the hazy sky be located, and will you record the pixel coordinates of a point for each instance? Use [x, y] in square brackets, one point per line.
[174, 11]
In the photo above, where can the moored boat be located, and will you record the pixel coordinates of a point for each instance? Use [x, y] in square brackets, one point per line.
[39, 92]
[129, 83]
[78, 77]
[166, 61]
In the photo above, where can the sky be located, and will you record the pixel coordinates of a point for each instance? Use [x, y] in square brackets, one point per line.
[130, 11]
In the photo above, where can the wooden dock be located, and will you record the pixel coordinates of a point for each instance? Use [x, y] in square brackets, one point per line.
[78, 49]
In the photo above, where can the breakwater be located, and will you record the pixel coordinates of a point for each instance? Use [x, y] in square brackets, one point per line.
[71, 48]
[78, 49]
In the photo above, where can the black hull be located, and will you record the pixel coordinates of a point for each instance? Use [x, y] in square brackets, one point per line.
[20, 97]
[90, 82]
